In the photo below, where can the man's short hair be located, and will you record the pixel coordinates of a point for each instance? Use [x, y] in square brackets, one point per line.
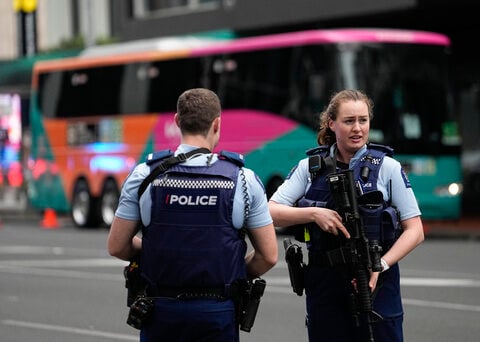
[196, 110]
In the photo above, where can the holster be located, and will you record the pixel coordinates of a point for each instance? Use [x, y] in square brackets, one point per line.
[247, 301]
[296, 267]
[134, 282]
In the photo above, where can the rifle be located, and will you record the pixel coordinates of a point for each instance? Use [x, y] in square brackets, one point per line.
[359, 251]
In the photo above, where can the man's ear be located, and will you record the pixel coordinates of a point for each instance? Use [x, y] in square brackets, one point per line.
[176, 119]
[216, 125]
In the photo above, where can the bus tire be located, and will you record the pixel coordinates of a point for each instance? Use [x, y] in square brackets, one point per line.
[84, 207]
[109, 202]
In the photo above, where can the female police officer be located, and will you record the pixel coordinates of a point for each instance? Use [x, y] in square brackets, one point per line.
[192, 249]
[344, 130]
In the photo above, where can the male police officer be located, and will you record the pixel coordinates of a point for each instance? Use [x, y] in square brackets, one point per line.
[194, 212]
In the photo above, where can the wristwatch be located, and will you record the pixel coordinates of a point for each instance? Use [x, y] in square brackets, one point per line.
[384, 265]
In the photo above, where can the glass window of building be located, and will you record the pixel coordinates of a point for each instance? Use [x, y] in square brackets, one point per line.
[155, 8]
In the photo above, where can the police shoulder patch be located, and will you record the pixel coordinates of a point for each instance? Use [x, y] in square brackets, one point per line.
[260, 182]
[405, 179]
[291, 172]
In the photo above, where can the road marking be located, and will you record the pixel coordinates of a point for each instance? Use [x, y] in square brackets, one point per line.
[50, 268]
[125, 337]
[62, 273]
[404, 281]
[441, 305]
[57, 263]
[51, 250]
[439, 282]
[31, 250]
[71, 330]
[406, 301]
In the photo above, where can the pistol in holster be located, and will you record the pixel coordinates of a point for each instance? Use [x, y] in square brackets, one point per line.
[296, 267]
[247, 301]
[140, 306]
[133, 281]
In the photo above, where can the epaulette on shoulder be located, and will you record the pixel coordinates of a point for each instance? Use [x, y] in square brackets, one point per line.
[157, 156]
[383, 148]
[317, 150]
[233, 157]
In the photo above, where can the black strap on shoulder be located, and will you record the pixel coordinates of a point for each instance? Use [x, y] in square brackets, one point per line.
[165, 165]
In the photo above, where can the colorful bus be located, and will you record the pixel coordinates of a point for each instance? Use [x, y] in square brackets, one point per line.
[94, 117]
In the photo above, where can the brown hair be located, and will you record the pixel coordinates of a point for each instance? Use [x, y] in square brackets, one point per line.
[325, 135]
[196, 110]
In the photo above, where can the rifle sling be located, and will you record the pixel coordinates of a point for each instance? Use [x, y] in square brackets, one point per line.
[165, 165]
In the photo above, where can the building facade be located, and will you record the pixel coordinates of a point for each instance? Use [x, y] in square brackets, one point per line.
[57, 22]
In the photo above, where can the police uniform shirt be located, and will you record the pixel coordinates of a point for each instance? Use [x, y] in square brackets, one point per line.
[298, 182]
[130, 208]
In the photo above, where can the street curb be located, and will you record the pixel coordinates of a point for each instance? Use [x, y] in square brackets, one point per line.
[465, 228]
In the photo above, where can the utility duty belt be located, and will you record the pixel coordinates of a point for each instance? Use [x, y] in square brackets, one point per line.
[142, 306]
[246, 295]
[190, 293]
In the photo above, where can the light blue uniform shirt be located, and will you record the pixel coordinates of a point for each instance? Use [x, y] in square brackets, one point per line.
[298, 182]
[130, 208]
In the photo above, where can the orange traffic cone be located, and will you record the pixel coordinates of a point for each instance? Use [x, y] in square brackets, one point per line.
[49, 219]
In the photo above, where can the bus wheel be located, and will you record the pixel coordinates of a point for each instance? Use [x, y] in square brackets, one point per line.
[109, 202]
[83, 206]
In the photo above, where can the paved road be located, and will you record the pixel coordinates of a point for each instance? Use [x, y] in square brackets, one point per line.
[61, 285]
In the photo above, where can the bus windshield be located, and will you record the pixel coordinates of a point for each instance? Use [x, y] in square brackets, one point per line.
[409, 87]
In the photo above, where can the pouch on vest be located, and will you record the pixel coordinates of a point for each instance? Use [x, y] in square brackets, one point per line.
[370, 207]
[301, 231]
[380, 223]
[391, 227]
